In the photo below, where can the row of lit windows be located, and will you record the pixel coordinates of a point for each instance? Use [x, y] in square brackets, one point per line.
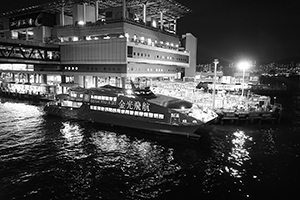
[106, 98]
[72, 104]
[158, 70]
[128, 112]
[159, 57]
[104, 69]
[75, 95]
[142, 54]
[93, 69]
[71, 68]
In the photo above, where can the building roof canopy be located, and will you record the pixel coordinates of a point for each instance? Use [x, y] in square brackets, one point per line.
[170, 8]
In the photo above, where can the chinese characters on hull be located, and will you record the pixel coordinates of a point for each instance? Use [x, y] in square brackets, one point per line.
[134, 105]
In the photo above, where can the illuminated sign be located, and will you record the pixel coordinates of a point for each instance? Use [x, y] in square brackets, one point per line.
[32, 20]
[134, 105]
[16, 67]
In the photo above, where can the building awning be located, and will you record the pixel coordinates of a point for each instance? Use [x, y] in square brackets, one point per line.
[170, 8]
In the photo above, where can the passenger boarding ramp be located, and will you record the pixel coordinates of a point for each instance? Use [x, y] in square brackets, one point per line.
[29, 52]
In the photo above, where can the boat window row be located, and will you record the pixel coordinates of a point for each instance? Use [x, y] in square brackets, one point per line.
[76, 95]
[128, 112]
[72, 104]
[106, 98]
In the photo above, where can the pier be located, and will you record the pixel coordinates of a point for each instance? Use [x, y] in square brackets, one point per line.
[231, 107]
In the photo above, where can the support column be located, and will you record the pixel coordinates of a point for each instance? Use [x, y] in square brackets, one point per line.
[28, 78]
[84, 83]
[44, 78]
[175, 22]
[63, 78]
[96, 10]
[144, 13]
[76, 79]
[123, 82]
[124, 9]
[161, 20]
[26, 34]
[96, 81]
[62, 15]
[84, 12]
[34, 78]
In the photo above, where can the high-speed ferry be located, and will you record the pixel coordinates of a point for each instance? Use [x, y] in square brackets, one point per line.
[132, 108]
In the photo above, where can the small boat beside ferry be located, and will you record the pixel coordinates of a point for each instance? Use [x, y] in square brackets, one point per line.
[132, 108]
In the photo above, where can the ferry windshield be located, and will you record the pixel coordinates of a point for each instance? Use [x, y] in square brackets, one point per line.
[146, 93]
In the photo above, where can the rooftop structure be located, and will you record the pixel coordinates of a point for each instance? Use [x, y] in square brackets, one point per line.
[170, 8]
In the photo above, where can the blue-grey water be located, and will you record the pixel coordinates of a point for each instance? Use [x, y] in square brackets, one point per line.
[50, 158]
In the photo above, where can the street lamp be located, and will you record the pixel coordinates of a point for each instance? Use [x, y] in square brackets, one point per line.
[243, 66]
[216, 61]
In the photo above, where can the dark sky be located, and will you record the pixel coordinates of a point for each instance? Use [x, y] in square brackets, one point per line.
[230, 30]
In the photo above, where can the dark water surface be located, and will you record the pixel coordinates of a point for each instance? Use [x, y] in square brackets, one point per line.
[49, 158]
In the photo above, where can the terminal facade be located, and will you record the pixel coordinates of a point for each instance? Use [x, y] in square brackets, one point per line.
[95, 42]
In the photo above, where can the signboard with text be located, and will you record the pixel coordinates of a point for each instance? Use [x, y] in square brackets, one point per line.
[32, 20]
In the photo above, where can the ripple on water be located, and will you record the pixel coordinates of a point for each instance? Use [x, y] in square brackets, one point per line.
[43, 157]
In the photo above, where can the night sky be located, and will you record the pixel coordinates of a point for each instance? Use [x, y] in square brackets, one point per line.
[231, 30]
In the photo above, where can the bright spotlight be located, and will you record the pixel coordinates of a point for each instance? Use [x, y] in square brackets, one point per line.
[244, 65]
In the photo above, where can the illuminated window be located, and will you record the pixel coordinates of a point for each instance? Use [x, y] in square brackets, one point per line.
[122, 111]
[127, 112]
[151, 115]
[136, 113]
[118, 110]
[131, 112]
[146, 114]
[161, 116]
[155, 115]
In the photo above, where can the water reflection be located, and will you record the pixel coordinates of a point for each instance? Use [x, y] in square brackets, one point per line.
[72, 133]
[239, 154]
[19, 126]
[144, 165]
[73, 136]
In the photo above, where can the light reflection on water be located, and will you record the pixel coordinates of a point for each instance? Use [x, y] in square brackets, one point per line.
[144, 164]
[238, 154]
[53, 158]
[143, 168]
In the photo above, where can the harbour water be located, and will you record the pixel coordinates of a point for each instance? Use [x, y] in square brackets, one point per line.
[44, 157]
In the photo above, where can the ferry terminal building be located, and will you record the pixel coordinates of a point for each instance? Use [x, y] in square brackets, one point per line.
[95, 42]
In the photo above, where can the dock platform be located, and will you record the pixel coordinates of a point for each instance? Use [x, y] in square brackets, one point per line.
[248, 117]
